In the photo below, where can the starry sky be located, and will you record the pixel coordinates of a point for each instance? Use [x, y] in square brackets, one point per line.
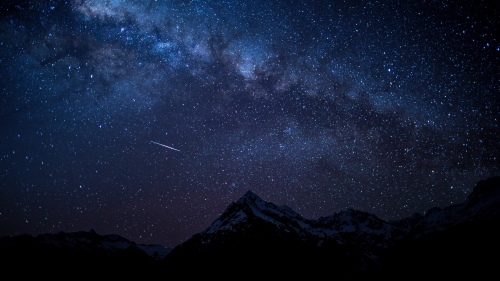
[390, 107]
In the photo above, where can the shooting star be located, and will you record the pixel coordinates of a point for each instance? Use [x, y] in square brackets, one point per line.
[165, 146]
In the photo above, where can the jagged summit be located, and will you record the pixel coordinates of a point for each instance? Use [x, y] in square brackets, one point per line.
[248, 210]
[250, 194]
[250, 197]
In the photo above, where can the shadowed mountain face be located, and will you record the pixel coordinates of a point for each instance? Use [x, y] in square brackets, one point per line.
[255, 237]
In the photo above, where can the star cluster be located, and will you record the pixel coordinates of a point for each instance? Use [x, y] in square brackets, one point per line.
[383, 106]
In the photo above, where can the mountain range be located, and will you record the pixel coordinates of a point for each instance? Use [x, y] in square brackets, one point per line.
[258, 238]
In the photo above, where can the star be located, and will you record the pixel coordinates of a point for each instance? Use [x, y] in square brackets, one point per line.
[388, 108]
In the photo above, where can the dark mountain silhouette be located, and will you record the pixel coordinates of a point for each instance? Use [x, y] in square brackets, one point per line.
[259, 239]
[79, 254]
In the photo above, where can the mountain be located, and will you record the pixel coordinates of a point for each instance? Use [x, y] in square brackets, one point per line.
[460, 241]
[255, 238]
[252, 233]
[86, 254]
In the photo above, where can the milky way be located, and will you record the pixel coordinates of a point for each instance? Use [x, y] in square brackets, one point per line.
[382, 106]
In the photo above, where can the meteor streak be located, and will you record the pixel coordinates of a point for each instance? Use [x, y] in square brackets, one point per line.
[165, 146]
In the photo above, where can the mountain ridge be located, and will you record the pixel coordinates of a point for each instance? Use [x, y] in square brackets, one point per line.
[253, 233]
[357, 241]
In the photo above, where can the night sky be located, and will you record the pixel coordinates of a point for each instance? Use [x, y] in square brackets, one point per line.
[389, 107]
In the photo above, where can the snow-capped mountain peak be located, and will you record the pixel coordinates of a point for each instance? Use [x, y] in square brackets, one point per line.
[251, 198]
[248, 208]
[251, 218]
[346, 227]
